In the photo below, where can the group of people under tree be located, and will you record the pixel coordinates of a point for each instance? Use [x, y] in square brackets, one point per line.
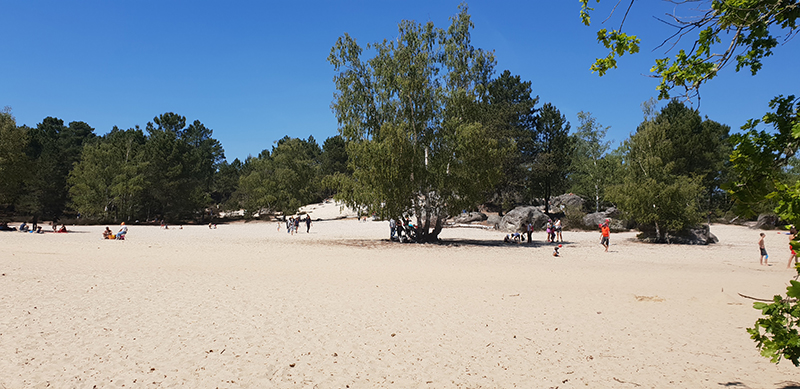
[404, 231]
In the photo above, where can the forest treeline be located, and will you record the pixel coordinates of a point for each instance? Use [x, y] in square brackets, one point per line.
[172, 171]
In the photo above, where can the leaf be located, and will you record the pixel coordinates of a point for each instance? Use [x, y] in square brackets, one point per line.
[794, 289]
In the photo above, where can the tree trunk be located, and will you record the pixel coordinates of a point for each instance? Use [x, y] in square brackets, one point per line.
[596, 198]
[658, 233]
[424, 232]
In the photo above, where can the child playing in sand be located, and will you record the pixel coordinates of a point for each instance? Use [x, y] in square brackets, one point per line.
[555, 251]
[764, 255]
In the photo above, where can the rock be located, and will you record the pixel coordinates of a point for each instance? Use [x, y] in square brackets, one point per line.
[594, 219]
[766, 221]
[699, 235]
[568, 200]
[612, 213]
[494, 220]
[517, 219]
[470, 217]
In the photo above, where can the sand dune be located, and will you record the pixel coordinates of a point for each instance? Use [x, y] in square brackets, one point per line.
[247, 305]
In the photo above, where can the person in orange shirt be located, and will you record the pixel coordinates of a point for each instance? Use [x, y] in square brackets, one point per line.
[604, 231]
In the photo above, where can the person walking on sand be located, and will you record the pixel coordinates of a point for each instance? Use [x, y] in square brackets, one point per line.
[763, 249]
[529, 231]
[605, 231]
[308, 223]
[792, 236]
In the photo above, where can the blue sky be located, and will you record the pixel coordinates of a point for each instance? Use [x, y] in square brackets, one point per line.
[255, 71]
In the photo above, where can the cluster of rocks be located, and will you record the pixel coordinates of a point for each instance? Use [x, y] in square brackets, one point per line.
[518, 219]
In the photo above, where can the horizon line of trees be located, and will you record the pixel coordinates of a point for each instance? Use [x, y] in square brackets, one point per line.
[666, 176]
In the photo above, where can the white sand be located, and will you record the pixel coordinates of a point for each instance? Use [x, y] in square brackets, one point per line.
[248, 306]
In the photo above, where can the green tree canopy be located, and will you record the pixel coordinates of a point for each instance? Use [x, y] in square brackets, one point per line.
[282, 180]
[510, 114]
[110, 180]
[591, 171]
[407, 117]
[553, 149]
[14, 163]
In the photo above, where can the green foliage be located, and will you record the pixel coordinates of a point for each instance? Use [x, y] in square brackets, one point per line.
[13, 161]
[620, 43]
[672, 162]
[53, 150]
[283, 180]
[226, 182]
[742, 31]
[411, 120]
[759, 158]
[549, 164]
[591, 171]
[510, 114]
[776, 332]
[109, 181]
[652, 192]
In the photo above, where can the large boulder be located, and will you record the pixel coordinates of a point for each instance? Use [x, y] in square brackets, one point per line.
[470, 217]
[699, 235]
[594, 219]
[517, 219]
[766, 221]
[568, 200]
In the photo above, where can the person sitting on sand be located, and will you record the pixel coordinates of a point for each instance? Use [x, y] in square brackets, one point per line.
[4, 227]
[63, 228]
[123, 230]
[107, 233]
[555, 251]
[23, 227]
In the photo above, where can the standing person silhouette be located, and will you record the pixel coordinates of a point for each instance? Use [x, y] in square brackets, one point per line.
[605, 231]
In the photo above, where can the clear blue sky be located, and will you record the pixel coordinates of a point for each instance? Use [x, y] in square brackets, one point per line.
[255, 71]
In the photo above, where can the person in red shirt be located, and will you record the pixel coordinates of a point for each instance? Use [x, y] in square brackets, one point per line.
[604, 231]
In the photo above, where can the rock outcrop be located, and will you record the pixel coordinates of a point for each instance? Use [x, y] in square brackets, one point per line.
[470, 217]
[766, 221]
[568, 200]
[517, 219]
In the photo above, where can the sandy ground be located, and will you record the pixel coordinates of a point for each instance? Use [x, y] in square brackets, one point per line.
[250, 306]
